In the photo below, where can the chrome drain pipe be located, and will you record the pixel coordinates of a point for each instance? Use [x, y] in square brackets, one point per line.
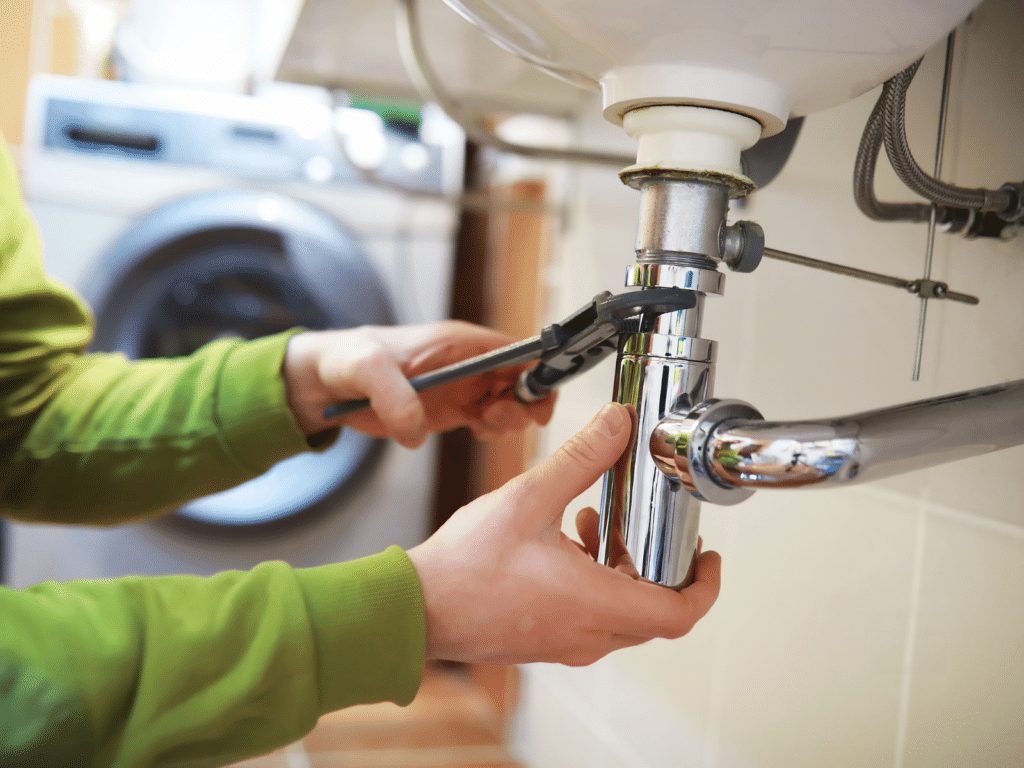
[647, 518]
[722, 451]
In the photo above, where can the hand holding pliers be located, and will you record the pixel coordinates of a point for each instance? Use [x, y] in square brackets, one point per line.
[564, 349]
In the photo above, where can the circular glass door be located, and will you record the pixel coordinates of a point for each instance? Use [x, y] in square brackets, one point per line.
[191, 293]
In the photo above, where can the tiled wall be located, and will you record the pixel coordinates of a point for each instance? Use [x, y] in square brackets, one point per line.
[879, 625]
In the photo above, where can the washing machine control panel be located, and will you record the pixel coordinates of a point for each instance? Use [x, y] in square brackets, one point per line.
[263, 138]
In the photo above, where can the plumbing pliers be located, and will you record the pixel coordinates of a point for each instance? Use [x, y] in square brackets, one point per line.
[563, 350]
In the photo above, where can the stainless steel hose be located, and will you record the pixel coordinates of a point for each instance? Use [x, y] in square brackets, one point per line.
[864, 176]
[910, 173]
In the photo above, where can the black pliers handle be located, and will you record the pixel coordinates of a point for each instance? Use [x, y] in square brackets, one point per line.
[565, 349]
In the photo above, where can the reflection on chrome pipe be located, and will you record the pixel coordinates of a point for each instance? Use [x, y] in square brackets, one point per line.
[718, 450]
[647, 520]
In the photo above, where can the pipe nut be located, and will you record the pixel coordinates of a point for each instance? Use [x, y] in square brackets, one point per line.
[742, 246]
[1015, 214]
[681, 447]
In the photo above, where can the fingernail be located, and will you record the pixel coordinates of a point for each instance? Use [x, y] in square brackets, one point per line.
[608, 420]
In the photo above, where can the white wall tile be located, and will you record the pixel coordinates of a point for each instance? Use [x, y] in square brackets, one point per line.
[560, 722]
[966, 703]
[817, 609]
[657, 696]
[991, 486]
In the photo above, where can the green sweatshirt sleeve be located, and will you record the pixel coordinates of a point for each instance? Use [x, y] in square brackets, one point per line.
[94, 438]
[173, 670]
[188, 671]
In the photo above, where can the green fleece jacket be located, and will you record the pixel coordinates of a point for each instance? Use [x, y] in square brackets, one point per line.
[174, 670]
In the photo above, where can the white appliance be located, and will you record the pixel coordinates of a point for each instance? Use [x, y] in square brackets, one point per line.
[186, 215]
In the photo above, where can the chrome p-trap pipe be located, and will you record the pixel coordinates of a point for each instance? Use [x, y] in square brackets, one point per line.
[647, 519]
[722, 450]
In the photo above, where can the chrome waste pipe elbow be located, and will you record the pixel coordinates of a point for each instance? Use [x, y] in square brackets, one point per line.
[688, 167]
[722, 451]
[647, 518]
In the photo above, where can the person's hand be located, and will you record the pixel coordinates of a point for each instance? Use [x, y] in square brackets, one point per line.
[503, 584]
[325, 367]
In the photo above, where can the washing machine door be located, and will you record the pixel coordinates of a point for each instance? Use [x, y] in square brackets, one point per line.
[242, 265]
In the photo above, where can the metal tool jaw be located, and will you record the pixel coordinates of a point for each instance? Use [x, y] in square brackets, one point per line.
[590, 334]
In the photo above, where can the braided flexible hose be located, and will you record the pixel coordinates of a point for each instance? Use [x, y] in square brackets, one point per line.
[894, 95]
[864, 176]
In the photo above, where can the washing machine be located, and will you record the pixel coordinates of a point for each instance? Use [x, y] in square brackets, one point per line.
[186, 216]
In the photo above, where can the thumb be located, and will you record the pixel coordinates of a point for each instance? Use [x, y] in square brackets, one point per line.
[581, 461]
